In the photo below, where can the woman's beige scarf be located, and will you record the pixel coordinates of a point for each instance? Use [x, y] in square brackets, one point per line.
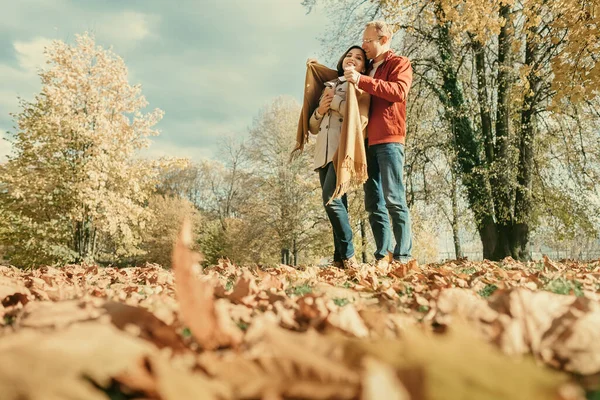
[350, 159]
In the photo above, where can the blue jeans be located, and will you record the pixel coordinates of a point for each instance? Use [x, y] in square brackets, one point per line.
[337, 211]
[385, 193]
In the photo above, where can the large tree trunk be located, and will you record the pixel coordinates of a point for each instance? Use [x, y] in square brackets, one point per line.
[502, 167]
[468, 149]
[484, 104]
[523, 200]
[84, 239]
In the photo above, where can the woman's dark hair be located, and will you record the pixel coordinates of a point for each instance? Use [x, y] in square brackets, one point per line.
[340, 70]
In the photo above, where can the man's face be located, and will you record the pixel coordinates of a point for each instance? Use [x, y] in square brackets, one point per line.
[372, 43]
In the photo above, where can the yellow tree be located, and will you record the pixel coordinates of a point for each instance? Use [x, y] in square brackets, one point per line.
[72, 188]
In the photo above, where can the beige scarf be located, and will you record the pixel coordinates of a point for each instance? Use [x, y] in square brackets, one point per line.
[350, 159]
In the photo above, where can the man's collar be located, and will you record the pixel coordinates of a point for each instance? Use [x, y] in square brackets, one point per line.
[388, 54]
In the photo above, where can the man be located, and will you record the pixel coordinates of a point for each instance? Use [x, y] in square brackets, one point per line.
[388, 85]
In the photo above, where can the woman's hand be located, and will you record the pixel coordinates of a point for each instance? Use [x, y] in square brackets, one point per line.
[325, 103]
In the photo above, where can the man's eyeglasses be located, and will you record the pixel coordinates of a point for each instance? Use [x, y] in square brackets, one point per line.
[371, 40]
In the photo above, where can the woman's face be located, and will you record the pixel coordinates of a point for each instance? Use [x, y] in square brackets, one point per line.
[354, 57]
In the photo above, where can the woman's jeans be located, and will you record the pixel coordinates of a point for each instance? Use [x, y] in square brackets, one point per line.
[337, 211]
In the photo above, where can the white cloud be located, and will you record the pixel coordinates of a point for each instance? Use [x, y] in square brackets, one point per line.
[127, 28]
[30, 54]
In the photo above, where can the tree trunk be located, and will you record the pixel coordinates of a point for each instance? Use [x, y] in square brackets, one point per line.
[455, 226]
[484, 106]
[468, 149]
[363, 238]
[501, 171]
[84, 239]
[285, 256]
[295, 252]
[523, 200]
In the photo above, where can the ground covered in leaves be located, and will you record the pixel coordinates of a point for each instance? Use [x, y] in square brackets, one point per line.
[459, 330]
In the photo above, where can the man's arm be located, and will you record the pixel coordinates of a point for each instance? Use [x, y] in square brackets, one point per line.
[396, 88]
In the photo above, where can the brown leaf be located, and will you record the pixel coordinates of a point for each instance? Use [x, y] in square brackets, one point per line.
[380, 382]
[155, 377]
[150, 327]
[244, 287]
[12, 292]
[549, 265]
[61, 364]
[348, 320]
[531, 316]
[197, 306]
[60, 314]
[287, 364]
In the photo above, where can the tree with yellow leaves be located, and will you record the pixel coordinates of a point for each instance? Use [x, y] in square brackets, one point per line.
[72, 190]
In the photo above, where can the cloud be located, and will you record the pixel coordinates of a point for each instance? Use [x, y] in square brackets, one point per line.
[209, 65]
[30, 54]
[126, 29]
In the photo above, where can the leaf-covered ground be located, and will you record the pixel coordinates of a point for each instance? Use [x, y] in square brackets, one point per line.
[460, 330]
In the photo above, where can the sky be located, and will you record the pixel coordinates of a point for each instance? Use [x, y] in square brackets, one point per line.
[210, 65]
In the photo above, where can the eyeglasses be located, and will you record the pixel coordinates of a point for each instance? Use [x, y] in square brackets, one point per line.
[371, 40]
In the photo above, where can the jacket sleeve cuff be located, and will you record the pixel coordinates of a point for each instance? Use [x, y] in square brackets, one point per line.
[364, 81]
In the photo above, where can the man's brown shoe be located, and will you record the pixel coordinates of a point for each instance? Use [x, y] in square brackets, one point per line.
[338, 264]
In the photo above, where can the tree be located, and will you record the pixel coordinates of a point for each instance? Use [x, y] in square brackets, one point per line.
[498, 71]
[288, 198]
[72, 190]
[158, 238]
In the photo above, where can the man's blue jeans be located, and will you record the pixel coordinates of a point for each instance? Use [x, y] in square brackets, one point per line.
[385, 193]
[337, 211]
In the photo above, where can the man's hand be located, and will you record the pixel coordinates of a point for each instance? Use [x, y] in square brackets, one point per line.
[352, 75]
[325, 103]
[311, 61]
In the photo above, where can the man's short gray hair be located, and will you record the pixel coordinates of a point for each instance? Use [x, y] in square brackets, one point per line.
[382, 28]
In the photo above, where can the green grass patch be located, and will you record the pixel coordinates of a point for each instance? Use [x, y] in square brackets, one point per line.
[186, 333]
[593, 395]
[488, 290]
[407, 292]
[341, 301]
[564, 286]
[299, 290]
[468, 271]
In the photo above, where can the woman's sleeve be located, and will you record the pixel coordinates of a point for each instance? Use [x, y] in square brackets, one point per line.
[314, 124]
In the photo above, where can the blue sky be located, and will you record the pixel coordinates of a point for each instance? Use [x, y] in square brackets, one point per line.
[209, 64]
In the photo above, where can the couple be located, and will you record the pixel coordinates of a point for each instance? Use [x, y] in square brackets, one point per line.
[358, 114]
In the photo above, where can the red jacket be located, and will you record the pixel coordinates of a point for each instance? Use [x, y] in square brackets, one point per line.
[389, 91]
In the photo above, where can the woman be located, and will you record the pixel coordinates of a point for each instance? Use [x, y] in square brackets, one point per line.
[333, 133]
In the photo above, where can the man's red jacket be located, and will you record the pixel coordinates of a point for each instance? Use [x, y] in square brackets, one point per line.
[389, 91]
